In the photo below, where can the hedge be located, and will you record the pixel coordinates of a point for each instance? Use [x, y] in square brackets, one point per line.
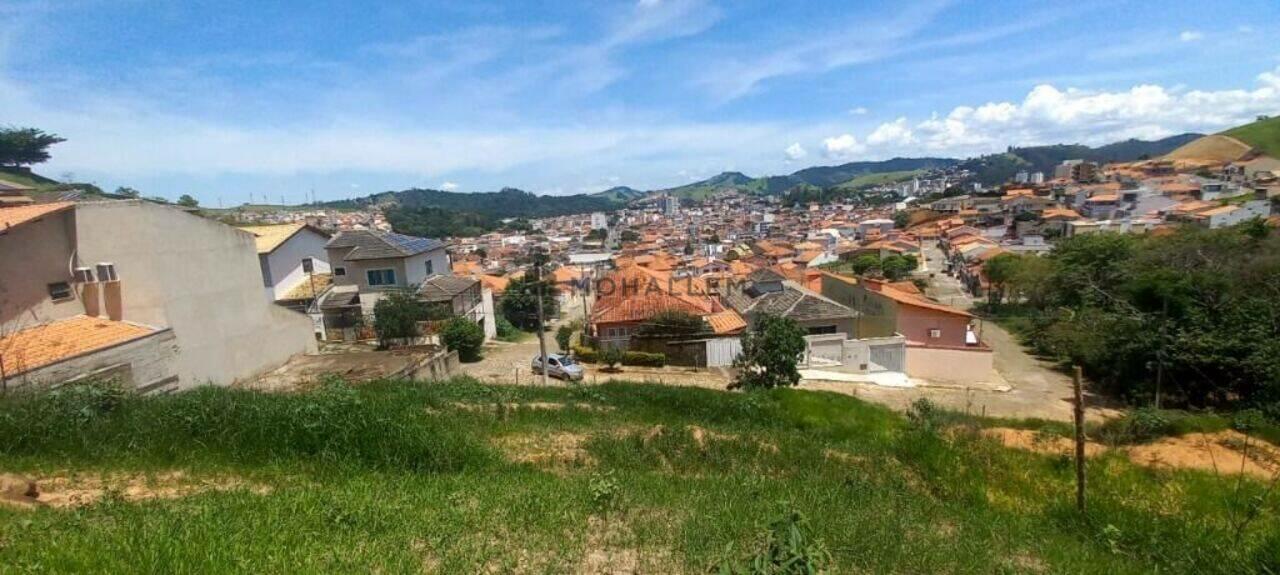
[585, 354]
[634, 358]
[640, 358]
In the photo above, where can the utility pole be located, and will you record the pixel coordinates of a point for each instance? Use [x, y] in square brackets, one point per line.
[542, 341]
[1079, 421]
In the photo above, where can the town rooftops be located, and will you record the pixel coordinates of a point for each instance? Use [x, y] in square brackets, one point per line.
[46, 344]
[771, 293]
[14, 216]
[440, 287]
[268, 238]
[376, 245]
[726, 322]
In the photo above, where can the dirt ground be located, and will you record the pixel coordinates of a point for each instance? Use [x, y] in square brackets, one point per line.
[353, 362]
[1225, 453]
[76, 490]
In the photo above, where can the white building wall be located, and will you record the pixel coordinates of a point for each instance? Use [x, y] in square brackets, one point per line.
[416, 266]
[286, 261]
[199, 277]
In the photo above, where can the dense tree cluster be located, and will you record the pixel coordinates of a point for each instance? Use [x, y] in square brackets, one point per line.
[1197, 311]
[25, 146]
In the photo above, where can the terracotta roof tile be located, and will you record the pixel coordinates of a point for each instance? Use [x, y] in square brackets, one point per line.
[726, 322]
[46, 344]
[18, 215]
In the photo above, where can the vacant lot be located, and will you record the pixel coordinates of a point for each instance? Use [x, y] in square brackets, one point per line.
[462, 477]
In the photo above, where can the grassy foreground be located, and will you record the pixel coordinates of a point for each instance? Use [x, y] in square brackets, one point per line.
[460, 477]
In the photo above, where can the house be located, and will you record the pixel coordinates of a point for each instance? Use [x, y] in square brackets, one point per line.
[768, 292]
[632, 294]
[942, 343]
[369, 262]
[289, 255]
[154, 297]
[1231, 215]
[952, 204]
[459, 296]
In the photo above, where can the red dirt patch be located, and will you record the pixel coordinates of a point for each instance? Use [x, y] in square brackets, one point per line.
[75, 490]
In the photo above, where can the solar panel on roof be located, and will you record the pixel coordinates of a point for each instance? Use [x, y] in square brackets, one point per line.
[411, 244]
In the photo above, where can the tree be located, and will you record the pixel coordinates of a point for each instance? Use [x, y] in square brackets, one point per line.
[629, 236]
[672, 323]
[896, 267]
[598, 234]
[25, 146]
[128, 192]
[1000, 271]
[863, 264]
[771, 350]
[688, 249]
[714, 239]
[901, 219]
[463, 336]
[396, 316]
[520, 302]
[187, 201]
[564, 337]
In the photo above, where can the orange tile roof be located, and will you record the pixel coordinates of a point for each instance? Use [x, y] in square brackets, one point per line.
[496, 284]
[726, 322]
[18, 215]
[896, 294]
[42, 345]
[268, 238]
[1104, 198]
[1060, 213]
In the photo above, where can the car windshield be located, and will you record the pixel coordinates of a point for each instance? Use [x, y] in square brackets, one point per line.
[566, 361]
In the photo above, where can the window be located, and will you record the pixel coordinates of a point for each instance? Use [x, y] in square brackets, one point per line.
[381, 277]
[308, 266]
[60, 291]
[822, 330]
[935, 333]
[339, 271]
[431, 268]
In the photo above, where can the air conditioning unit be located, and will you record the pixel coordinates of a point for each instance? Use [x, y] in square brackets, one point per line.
[107, 272]
[84, 275]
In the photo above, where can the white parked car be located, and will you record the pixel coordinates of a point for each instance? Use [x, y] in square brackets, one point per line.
[559, 366]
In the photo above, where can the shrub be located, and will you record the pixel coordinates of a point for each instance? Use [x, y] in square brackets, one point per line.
[463, 336]
[610, 357]
[585, 354]
[644, 359]
[770, 351]
[396, 316]
[563, 337]
[788, 548]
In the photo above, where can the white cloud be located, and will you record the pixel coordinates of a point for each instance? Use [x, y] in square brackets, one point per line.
[895, 133]
[1191, 35]
[859, 111]
[448, 186]
[843, 147]
[1048, 114]
[796, 152]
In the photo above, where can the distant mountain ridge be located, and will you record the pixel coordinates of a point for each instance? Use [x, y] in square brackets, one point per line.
[440, 213]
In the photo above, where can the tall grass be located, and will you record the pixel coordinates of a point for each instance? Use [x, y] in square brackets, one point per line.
[399, 477]
[339, 424]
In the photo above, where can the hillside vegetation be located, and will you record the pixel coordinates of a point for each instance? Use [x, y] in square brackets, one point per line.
[1263, 135]
[459, 477]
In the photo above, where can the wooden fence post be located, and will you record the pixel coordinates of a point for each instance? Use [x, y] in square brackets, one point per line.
[1079, 421]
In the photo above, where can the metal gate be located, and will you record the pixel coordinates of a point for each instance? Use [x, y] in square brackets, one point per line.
[887, 357]
[722, 351]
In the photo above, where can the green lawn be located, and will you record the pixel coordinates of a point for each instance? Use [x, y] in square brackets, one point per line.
[1263, 134]
[878, 179]
[460, 477]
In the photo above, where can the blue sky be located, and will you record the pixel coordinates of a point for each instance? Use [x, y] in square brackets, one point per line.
[227, 99]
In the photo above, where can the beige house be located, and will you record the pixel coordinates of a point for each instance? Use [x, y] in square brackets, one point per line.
[153, 296]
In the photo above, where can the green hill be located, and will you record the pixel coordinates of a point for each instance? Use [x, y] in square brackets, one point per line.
[1263, 134]
[620, 194]
[460, 477]
[436, 213]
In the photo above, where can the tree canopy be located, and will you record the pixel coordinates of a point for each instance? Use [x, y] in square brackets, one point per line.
[771, 350]
[25, 146]
[1200, 307]
[520, 302]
